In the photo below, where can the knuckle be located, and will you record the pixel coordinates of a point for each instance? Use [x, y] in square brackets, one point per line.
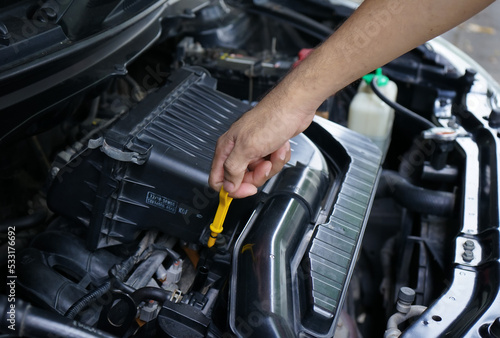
[231, 167]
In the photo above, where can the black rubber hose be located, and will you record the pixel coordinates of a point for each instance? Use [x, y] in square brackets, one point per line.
[417, 199]
[286, 15]
[426, 124]
[25, 222]
[28, 321]
[151, 293]
[120, 285]
[88, 299]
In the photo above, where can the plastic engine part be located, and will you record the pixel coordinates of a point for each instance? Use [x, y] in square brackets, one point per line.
[150, 169]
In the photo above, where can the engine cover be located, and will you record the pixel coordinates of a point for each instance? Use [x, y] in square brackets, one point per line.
[150, 169]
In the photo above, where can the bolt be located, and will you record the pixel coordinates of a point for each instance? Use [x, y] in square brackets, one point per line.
[49, 12]
[121, 69]
[468, 256]
[494, 118]
[54, 171]
[46, 13]
[470, 73]
[469, 245]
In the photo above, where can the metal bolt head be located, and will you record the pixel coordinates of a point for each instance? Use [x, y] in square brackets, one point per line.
[468, 256]
[469, 245]
[494, 118]
[50, 12]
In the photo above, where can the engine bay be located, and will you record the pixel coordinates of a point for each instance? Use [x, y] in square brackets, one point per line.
[106, 209]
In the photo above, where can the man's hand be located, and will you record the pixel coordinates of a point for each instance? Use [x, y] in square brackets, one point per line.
[255, 148]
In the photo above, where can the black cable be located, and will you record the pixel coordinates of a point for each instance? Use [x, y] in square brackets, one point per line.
[87, 299]
[298, 20]
[118, 273]
[399, 108]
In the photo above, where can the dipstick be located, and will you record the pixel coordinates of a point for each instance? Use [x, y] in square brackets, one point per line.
[220, 216]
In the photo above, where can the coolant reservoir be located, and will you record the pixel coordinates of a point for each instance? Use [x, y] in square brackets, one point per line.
[369, 115]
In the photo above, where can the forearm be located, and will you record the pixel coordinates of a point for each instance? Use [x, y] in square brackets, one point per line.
[256, 146]
[378, 32]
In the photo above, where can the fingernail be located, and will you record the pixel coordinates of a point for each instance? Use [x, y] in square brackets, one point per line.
[268, 172]
[228, 186]
[285, 151]
[283, 154]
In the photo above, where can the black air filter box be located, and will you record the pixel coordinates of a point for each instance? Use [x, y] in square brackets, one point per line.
[150, 169]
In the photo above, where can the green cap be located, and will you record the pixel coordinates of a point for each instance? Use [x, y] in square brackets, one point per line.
[382, 80]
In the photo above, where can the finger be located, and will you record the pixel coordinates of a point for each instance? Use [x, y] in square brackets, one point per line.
[235, 167]
[223, 148]
[262, 171]
[244, 190]
[254, 164]
[279, 158]
[259, 175]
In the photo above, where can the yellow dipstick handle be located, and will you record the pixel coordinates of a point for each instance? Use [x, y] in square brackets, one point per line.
[220, 216]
